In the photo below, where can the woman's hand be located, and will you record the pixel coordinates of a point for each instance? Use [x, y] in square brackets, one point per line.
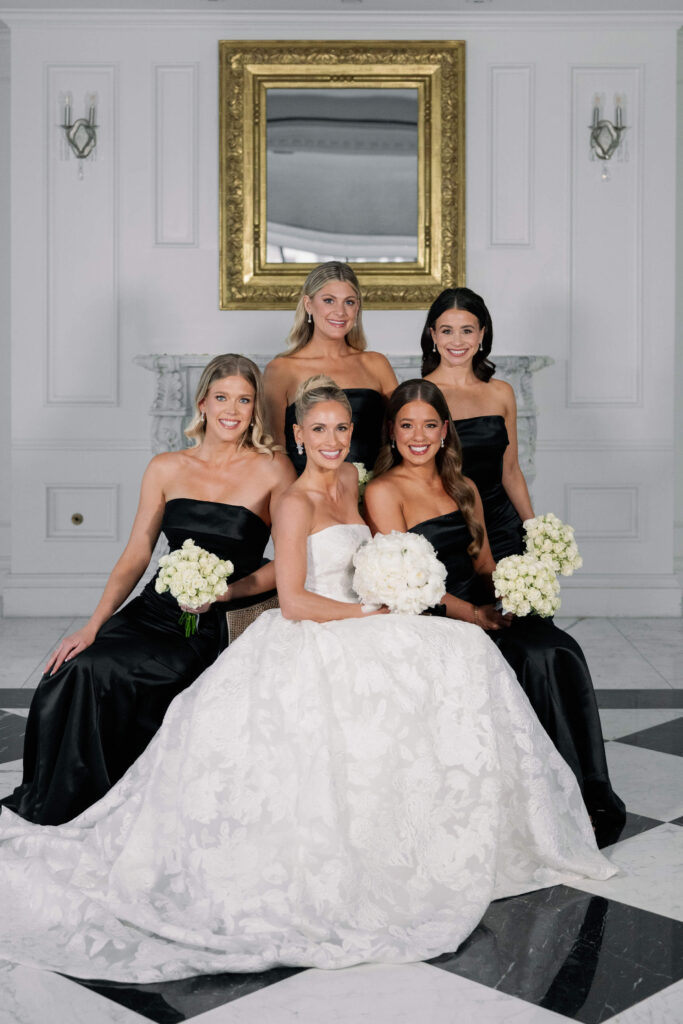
[366, 613]
[196, 611]
[69, 647]
[488, 617]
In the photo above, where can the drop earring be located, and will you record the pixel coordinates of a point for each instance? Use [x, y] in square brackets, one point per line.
[443, 443]
[299, 448]
[393, 442]
[434, 348]
[203, 417]
[310, 319]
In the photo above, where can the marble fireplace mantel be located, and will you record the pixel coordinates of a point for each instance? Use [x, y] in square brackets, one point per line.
[177, 377]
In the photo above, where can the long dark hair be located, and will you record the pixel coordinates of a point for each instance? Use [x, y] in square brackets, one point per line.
[448, 458]
[466, 299]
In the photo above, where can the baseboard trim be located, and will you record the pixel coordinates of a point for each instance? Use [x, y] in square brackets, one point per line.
[636, 595]
[41, 594]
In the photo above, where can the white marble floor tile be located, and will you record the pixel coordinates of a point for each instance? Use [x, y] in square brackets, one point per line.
[29, 996]
[20, 712]
[378, 994]
[664, 1008]
[651, 872]
[10, 766]
[15, 671]
[665, 654]
[9, 782]
[613, 660]
[644, 627]
[618, 722]
[649, 782]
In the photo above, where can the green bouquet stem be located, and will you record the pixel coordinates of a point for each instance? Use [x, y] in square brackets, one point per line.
[190, 623]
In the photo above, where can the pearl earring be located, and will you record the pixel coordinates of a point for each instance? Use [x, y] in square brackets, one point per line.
[310, 319]
[203, 417]
[393, 442]
[299, 448]
[443, 443]
[434, 348]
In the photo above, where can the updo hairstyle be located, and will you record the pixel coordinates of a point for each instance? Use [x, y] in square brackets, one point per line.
[256, 436]
[311, 392]
[302, 331]
[470, 302]
[448, 458]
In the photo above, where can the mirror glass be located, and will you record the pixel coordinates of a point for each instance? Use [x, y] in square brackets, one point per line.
[341, 175]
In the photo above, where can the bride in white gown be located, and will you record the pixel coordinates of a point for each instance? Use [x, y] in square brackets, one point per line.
[337, 788]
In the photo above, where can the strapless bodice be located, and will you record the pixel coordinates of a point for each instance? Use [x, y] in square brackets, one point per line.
[449, 536]
[229, 531]
[367, 414]
[330, 560]
[484, 440]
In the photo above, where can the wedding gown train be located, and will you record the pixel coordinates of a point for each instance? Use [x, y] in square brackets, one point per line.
[323, 795]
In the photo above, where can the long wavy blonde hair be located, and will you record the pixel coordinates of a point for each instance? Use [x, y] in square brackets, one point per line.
[302, 331]
[256, 436]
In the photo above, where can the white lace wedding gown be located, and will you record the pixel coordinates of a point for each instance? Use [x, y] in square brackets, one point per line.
[323, 795]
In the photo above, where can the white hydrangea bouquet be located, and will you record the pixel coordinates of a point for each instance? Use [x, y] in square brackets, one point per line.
[194, 577]
[526, 585]
[399, 570]
[552, 542]
[364, 478]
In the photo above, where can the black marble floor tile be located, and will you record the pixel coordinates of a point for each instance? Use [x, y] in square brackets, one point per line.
[12, 729]
[170, 1002]
[639, 698]
[11, 698]
[677, 821]
[582, 956]
[667, 737]
[636, 824]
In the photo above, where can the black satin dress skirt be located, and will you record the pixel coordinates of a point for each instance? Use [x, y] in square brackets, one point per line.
[552, 671]
[93, 718]
[367, 414]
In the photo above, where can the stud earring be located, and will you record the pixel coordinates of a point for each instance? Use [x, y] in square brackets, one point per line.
[443, 443]
[299, 448]
[310, 319]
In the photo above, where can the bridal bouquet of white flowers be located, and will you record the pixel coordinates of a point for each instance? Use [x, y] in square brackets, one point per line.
[525, 585]
[194, 577]
[400, 570]
[364, 478]
[552, 542]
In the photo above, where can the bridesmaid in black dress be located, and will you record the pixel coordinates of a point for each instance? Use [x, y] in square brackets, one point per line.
[106, 687]
[456, 343]
[327, 338]
[420, 487]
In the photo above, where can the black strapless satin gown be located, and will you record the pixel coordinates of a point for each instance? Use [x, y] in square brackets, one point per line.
[93, 718]
[367, 413]
[484, 440]
[552, 671]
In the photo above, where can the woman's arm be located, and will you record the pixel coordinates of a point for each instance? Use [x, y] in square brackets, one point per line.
[513, 478]
[130, 566]
[291, 529]
[275, 388]
[383, 508]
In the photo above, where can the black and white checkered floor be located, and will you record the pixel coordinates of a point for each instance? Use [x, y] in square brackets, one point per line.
[610, 951]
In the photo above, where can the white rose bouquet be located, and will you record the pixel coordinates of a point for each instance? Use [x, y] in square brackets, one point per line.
[552, 542]
[400, 570]
[364, 478]
[525, 585]
[194, 577]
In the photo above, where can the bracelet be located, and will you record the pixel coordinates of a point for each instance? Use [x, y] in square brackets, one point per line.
[476, 614]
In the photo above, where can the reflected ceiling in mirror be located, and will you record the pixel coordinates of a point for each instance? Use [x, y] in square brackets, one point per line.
[361, 146]
[341, 150]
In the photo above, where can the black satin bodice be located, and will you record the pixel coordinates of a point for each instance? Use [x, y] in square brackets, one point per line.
[449, 536]
[229, 531]
[484, 440]
[367, 414]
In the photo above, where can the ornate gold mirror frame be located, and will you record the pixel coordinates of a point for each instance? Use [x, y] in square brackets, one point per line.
[434, 74]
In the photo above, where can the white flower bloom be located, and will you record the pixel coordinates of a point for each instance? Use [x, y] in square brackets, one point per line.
[400, 570]
[552, 541]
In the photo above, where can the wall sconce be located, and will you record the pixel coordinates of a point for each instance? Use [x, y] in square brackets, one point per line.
[605, 136]
[82, 133]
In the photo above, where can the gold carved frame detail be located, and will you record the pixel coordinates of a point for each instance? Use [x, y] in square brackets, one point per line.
[435, 69]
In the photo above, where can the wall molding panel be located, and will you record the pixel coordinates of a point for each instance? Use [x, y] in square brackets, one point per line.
[511, 154]
[97, 504]
[82, 360]
[606, 244]
[80, 444]
[176, 110]
[605, 513]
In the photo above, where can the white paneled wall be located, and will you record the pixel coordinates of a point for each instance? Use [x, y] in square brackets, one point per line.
[124, 262]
